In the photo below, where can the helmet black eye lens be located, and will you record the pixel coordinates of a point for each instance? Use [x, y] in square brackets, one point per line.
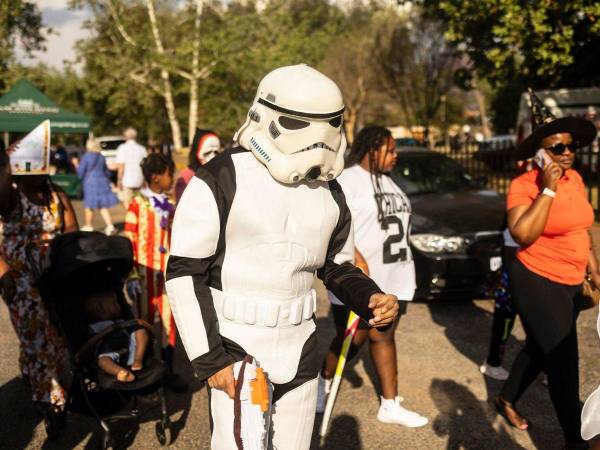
[292, 124]
[336, 121]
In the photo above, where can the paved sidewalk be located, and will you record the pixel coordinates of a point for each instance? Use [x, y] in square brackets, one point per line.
[440, 346]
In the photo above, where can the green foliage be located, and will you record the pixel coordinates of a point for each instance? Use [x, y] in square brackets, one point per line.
[64, 87]
[112, 98]
[238, 43]
[546, 43]
[287, 32]
[516, 44]
[19, 21]
[416, 65]
[390, 71]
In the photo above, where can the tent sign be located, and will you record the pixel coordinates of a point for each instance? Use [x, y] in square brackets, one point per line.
[28, 106]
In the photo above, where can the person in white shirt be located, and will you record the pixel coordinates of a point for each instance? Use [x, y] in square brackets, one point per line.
[381, 219]
[129, 157]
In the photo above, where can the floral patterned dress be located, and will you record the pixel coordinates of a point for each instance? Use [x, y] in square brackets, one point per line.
[42, 350]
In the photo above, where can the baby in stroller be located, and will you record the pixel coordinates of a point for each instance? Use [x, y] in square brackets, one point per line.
[118, 350]
[113, 365]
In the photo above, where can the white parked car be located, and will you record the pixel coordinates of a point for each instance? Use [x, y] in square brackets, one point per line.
[109, 145]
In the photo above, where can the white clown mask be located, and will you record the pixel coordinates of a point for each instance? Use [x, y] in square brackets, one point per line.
[208, 148]
[294, 126]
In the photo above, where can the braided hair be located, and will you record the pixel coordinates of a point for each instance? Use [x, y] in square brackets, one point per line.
[368, 141]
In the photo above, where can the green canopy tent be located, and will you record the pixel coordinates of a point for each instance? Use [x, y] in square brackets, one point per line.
[25, 106]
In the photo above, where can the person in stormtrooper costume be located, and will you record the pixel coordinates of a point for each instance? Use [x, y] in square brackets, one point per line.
[251, 229]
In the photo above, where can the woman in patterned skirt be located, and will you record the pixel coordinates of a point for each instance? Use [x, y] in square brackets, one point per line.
[32, 211]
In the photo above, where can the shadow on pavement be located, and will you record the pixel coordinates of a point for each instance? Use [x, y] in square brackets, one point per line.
[468, 328]
[19, 417]
[464, 419]
[342, 434]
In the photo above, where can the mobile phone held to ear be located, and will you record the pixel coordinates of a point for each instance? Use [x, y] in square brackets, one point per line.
[541, 158]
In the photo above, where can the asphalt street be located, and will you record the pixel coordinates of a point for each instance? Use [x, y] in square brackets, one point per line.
[440, 347]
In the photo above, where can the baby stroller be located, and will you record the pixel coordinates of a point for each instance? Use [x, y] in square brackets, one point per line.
[79, 263]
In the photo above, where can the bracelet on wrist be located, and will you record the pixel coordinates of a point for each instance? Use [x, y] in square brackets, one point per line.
[549, 192]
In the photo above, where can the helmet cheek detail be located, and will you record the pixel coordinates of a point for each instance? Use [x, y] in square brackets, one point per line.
[274, 131]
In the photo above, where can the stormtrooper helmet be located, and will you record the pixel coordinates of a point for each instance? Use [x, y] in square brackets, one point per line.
[294, 126]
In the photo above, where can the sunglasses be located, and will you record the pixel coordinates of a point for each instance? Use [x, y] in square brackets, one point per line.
[559, 149]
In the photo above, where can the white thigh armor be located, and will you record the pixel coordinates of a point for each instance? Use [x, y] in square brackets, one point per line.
[292, 419]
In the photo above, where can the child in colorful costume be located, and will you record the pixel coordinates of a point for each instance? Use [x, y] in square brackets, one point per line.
[148, 226]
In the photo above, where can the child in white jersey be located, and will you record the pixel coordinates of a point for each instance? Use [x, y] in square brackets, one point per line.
[381, 220]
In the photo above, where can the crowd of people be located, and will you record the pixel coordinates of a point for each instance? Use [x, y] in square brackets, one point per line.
[196, 240]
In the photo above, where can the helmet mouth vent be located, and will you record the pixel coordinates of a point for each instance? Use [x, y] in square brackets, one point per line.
[315, 146]
[313, 173]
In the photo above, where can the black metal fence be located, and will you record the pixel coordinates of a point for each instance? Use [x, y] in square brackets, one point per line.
[494, 164]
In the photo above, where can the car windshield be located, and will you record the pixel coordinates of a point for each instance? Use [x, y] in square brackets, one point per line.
[428, 174]
[111, 145]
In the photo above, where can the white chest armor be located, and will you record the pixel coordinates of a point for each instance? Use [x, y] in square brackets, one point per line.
[276, 238]
[276, 235]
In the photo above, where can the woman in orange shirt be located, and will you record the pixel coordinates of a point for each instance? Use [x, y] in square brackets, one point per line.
[550, 217]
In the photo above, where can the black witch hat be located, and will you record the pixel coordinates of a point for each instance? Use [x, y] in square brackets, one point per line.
[544, 124]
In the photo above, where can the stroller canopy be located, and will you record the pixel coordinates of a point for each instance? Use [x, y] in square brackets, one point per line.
[71, 252]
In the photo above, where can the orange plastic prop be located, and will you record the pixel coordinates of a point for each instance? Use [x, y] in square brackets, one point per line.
[259, 391]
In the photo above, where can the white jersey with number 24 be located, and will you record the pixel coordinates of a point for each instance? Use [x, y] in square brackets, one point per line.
[384, 245]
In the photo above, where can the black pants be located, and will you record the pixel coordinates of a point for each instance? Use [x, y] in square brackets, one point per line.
[504, 315]
[549, 317]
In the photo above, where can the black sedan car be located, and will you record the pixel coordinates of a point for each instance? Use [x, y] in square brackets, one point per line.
[456, 229]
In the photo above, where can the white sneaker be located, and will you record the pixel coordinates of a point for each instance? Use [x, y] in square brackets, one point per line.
[391, 411]
[497, 373]
[109, 230]
[323, 388]
[86, 228]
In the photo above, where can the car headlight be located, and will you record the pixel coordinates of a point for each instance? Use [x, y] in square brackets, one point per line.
[434, 243]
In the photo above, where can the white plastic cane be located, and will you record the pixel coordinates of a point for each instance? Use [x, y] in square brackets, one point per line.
[351, 327]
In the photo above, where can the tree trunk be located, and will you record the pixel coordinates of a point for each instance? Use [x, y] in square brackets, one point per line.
[350, 126]
[166, 80]
[193, 116]
[479, 98]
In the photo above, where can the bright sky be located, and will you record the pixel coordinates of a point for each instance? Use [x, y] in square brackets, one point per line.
[66, 25]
